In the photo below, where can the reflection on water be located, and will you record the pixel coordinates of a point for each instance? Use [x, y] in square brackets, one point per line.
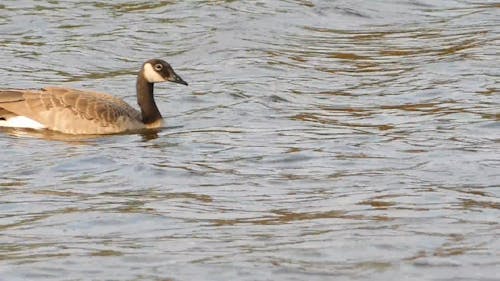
[146, 135]
[318, 140]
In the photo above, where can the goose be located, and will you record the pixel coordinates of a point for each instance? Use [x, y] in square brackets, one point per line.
[76, 112]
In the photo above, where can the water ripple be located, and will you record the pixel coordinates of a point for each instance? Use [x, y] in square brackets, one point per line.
[317, 140]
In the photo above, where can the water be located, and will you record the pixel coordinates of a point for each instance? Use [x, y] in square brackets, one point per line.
[318, 140]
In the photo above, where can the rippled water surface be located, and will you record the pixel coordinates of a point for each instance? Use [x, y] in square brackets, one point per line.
[318, 140]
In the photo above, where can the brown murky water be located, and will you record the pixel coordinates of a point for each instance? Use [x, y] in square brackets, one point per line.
[318, 140]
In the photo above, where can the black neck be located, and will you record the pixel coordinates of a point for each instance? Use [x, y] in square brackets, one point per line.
[146, 101]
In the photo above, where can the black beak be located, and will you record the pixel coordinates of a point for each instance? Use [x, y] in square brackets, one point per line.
[177, 79]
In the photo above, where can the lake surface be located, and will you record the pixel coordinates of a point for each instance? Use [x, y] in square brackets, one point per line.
[318, 140]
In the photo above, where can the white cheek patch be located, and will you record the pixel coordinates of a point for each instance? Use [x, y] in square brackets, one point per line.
[21, 122]
[151, 75]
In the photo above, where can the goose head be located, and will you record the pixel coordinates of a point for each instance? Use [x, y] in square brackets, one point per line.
[157, 70]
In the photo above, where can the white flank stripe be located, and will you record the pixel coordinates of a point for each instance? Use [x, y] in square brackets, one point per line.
[21, 122]
[151, 75]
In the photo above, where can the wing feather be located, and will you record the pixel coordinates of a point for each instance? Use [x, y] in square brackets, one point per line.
[72, 111]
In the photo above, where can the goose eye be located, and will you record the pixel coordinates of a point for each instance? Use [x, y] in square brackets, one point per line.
[158, 67]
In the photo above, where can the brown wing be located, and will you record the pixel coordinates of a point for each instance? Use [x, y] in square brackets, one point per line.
[72, 111]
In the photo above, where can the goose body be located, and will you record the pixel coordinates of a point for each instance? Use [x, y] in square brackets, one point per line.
[73, 111]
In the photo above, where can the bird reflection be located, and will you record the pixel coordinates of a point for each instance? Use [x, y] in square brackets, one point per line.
[146, 135]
